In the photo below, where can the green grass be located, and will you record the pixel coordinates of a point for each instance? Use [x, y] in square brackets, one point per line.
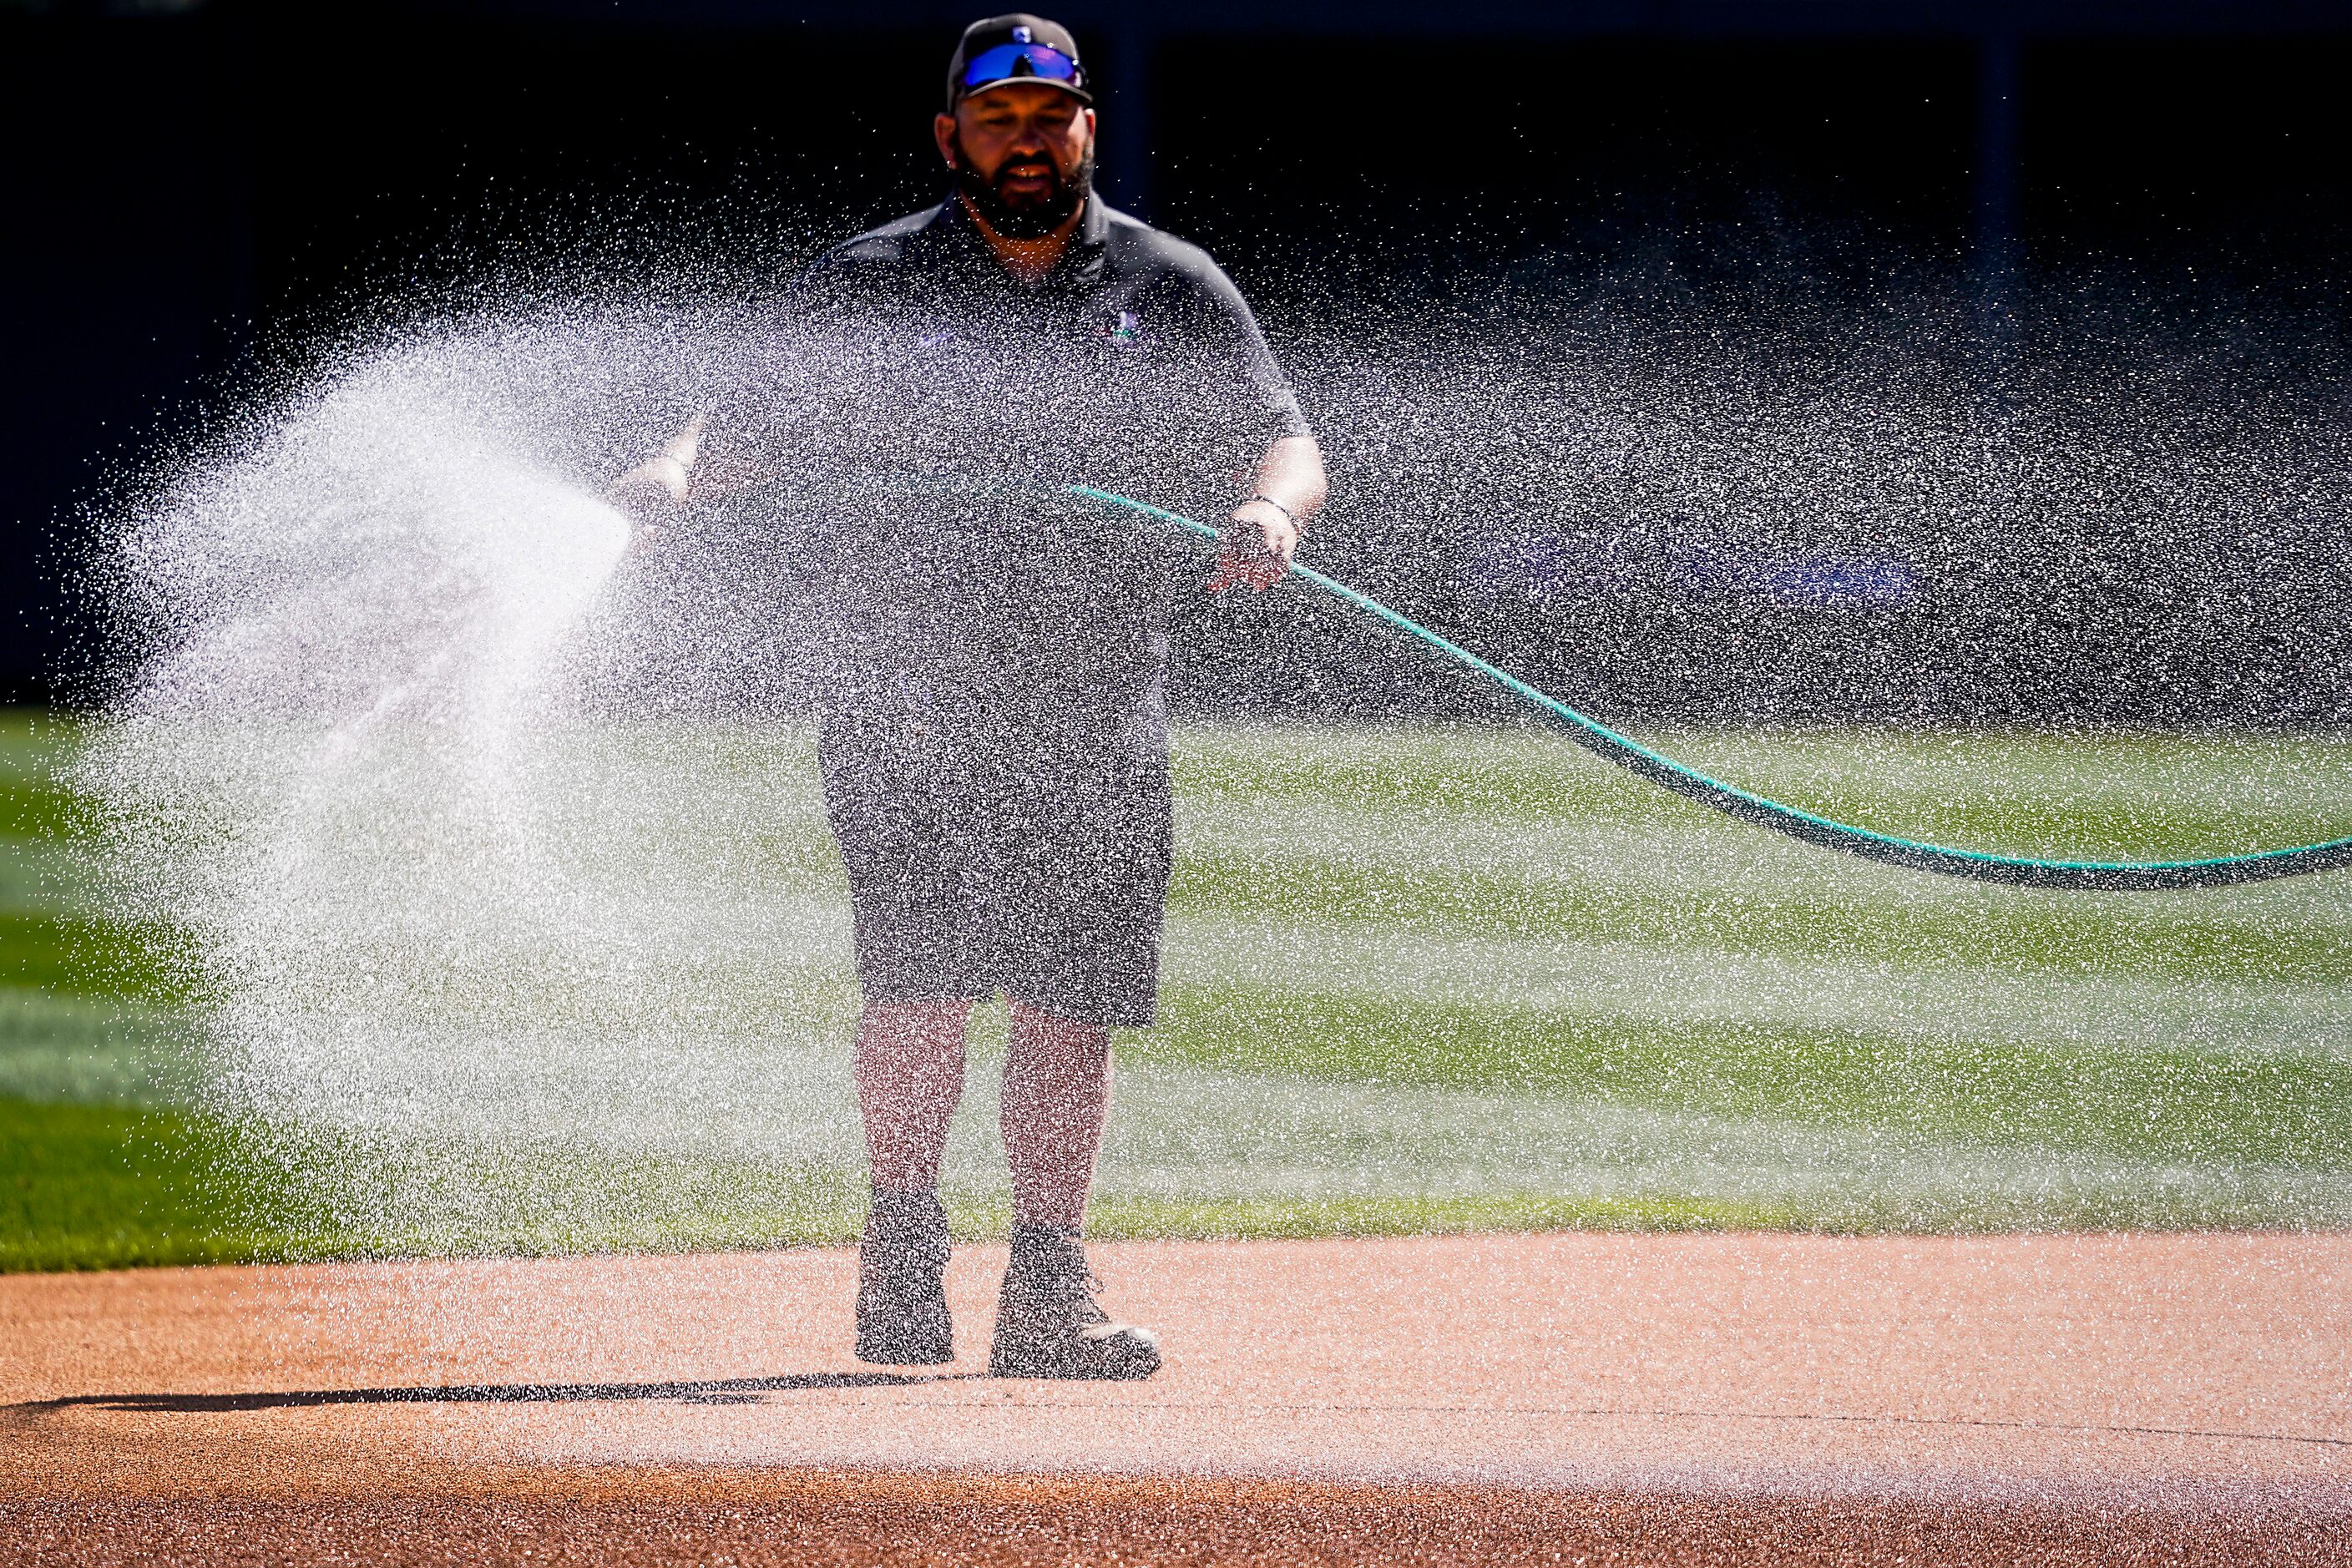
[85, 1186]
[2156, 1105]
[1418, 981]
[91, 1186]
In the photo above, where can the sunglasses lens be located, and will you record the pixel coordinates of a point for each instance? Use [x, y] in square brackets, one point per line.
[1010, 62]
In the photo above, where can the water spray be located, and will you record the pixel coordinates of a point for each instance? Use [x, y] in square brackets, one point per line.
[2019, 870]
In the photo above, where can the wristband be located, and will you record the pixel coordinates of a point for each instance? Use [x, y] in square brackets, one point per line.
[1291, 517]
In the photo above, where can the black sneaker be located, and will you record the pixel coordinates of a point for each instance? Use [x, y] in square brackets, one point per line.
[902, 1299]
[1047, 1324]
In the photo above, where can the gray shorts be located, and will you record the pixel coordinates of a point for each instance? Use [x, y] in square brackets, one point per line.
[976, 870]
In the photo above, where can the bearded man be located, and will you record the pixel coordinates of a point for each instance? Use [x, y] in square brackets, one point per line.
[992, 723]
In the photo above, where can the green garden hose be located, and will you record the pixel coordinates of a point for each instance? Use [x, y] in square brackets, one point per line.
[2019, 870]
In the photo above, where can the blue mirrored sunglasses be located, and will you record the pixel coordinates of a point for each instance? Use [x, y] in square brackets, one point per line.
[1004, 63]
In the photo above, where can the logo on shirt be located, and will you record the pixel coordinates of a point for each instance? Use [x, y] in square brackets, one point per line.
[1124, 329]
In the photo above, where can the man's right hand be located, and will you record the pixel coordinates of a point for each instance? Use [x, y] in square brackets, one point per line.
[1257, 545]
[655, 491]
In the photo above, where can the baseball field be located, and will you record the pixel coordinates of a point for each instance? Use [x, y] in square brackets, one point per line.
[1528, 1167]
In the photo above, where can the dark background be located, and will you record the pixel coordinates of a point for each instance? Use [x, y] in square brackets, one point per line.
[198, 190]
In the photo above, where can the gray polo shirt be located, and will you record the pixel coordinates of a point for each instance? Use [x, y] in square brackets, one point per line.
[939, 405]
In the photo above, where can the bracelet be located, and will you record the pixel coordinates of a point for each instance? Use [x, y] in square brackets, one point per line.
[1290, 516]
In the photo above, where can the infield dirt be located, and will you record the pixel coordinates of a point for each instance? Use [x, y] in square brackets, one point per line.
[1725, 1398]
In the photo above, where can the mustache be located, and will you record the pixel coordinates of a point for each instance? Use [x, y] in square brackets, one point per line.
[1043, 160]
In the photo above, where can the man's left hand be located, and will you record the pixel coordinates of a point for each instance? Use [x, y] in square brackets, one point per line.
[1258, 543]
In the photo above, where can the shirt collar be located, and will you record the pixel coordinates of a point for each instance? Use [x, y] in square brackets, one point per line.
[1081, 261]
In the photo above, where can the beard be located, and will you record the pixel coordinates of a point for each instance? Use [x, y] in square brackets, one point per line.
[1026, 216]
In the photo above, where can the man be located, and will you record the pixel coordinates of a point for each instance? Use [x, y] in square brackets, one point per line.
[992, 728]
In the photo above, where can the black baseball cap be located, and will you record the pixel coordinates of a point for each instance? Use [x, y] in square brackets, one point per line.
[1018, 47]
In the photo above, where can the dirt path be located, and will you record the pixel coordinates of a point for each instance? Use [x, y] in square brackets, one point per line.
[1693, 1399]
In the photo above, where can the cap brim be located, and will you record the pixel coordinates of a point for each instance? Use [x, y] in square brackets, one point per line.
[1081, 94]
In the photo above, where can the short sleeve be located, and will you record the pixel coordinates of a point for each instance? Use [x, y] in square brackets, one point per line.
[1261, 402]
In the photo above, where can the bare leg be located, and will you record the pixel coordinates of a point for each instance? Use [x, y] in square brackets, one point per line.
[909, 1077]
[1048, 1324]
[1056, 1093]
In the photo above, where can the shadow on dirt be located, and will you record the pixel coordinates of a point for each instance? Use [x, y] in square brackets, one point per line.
[725, 1391]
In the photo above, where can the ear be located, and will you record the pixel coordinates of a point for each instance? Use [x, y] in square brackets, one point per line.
[943, 131]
